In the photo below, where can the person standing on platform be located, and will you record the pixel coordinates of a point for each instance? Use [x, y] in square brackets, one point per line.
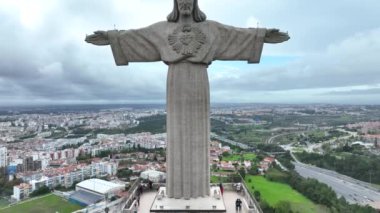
[238, 204]
[221, 188]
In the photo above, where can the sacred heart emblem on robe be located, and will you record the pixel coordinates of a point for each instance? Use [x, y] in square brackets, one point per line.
[187, 40]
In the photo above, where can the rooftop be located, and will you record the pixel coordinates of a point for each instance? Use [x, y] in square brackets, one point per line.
[85, 198]
[200, 204]
[99, 186]
[229, 198]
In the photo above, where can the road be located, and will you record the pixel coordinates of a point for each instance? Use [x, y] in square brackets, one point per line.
[271, 139]
[280, 165]
[318, 146]
[354, 191]
[241, 145]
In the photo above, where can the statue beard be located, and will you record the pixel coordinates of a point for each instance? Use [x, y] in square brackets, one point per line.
[185, 9]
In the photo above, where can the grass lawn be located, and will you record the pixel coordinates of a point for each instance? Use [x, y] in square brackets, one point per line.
[276, 174]
[248, 134]
[298, 149]
[273, 193]
[249, 156]
[3, 203]
[237, 157]
[48, 204]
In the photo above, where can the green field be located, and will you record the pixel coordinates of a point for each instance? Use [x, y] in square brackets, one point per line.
[287, 138]
[237, 157]
[273, 193]
[3, 203]
[49, 204]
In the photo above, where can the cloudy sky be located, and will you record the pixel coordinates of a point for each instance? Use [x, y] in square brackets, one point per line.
[333, 55]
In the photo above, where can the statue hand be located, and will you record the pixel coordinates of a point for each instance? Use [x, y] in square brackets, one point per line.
[274, 36]
[98, 38]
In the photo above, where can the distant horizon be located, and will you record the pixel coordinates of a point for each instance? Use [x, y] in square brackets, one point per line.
[162, 104]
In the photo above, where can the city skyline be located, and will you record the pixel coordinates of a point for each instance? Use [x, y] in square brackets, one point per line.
[331, 57]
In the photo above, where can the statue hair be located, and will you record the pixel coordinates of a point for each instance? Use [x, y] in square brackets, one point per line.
[198, 15]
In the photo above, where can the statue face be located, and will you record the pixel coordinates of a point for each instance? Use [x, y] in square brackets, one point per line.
[185, 7]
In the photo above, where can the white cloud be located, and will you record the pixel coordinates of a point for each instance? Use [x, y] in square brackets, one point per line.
[347, 65]
[43, 55]
[253, 22]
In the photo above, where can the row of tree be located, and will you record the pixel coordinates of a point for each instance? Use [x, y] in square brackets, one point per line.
[153, 124]
[6, 186]
[41, 191]
[365, 168]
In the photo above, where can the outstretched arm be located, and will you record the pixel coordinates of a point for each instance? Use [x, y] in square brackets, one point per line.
[244, 44]
[274, 36]
[128, 45]
[99, 38]
[102, 38]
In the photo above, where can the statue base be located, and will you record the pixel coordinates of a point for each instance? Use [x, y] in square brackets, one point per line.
[212, 203]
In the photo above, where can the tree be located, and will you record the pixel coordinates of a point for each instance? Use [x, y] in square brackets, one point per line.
[253, 170]
[226, 154]
[283, 207]
[104, 154]
[125, 173]
[41, 191]
[326, 147]
[214, 167]
[241, 158]
[266, 207]
[242, 172]
[260, 156]
[257, 195]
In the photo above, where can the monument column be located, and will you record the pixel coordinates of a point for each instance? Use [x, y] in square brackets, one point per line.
[188, 131]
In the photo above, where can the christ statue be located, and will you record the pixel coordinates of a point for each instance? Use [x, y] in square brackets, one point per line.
[188, 43]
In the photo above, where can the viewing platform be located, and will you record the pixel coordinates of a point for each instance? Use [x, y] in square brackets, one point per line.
[229, 197]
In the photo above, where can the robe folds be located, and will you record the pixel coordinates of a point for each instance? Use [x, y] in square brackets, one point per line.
[187, 49]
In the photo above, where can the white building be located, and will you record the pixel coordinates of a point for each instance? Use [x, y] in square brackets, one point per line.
[21, 191]
[104, 168]
[92, 191]
[3, 157]
[99, 187]
[38, 183]
[68, 178]
[154, 176]
[5, 124]
[44, 162]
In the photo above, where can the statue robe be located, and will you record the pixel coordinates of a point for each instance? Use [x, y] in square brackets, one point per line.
[187, 50]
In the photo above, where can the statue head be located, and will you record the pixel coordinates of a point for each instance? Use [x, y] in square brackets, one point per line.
[186, 8]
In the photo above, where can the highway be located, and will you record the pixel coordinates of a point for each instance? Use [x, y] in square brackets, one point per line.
[354, 191]
[241, 145]
[271, 139]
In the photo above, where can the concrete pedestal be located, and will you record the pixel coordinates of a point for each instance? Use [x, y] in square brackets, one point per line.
[212, 203]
